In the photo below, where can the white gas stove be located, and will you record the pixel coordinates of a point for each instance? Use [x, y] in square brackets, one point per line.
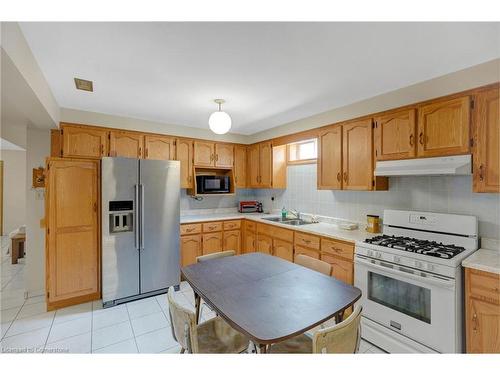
[411, 281]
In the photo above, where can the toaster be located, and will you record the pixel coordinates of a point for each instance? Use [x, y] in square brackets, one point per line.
[250, 206]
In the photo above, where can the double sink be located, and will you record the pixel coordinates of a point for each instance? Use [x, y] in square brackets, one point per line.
[287, 221]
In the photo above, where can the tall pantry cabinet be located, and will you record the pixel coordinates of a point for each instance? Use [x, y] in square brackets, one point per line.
[72, 231]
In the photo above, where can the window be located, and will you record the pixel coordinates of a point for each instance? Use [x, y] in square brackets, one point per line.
[303, 152]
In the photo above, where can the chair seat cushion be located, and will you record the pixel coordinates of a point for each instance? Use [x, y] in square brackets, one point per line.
[295, 345]
[216, 336]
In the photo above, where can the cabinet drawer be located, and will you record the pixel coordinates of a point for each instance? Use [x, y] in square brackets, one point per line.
[282, 234]
[233, 224]
[483, 284]
[307, 240]
[265, 229]
[250, 225]
[215, 226]
[190, 229]
[337, 248]
[305, 251]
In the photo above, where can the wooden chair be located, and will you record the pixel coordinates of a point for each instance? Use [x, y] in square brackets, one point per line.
[313, 264]
[212, 336]
[220, 254]
[341, 338]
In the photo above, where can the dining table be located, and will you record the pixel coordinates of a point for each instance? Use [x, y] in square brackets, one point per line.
[266, 298]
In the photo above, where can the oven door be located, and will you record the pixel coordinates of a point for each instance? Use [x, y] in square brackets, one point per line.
[414, 303]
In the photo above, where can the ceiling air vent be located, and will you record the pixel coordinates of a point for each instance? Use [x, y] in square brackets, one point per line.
[83, 84]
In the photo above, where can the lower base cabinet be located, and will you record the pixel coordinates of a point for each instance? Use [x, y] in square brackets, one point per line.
[482, 311]
[342, 269]
[232, 241]
[264, 244]
[190, 249]
[283, 249]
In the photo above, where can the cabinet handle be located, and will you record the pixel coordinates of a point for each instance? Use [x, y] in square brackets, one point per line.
[345, 176]
[306, 241]
[147, 152]
[474, 322]
[140, 151]
[189, 229]
[102, 149]
[94, 206]
[338, 177]
[411, 139]
[421, 138]
[481, 175]
[216, 157]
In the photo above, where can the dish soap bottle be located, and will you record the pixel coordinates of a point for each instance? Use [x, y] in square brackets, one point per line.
[283, 213]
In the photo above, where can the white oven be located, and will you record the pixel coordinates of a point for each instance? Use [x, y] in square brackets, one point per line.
[418, 305]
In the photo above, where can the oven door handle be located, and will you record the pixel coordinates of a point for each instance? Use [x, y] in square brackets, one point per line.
[430, 279]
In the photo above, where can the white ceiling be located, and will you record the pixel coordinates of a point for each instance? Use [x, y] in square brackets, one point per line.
[269, 73]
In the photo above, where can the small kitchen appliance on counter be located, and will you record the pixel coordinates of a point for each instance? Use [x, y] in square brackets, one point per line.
[249, 206]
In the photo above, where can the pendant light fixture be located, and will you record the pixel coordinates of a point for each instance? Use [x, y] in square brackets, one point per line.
[219, 121]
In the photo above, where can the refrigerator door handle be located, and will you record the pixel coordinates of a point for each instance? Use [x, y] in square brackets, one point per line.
[142, 216]
[136, 211]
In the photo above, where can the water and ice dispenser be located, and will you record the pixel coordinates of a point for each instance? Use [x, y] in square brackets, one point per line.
[121, 216]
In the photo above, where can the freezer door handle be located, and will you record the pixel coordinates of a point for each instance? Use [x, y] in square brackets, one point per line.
[136, 218]
[142, 217]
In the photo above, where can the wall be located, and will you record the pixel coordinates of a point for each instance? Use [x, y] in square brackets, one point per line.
[38, 148]
[449, 194]
[188, 203]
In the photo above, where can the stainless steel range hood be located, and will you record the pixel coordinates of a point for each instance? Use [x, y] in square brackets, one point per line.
[449, 165]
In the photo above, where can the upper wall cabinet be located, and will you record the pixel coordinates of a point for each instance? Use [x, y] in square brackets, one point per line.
[184, 153]
[330, 158]
[204, 154]
[84, 142]
[266, 167]
[224, 155]
[240, 166]
[487, 142]
[357, 162]
[126, 144]
[159, 147]
[443, 128]
[395, 135]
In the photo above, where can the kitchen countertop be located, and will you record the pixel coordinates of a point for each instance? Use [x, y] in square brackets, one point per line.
[485, 259]
[321, 228]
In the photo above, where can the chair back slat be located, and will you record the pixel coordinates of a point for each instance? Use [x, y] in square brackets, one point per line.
[220, 254]
[313, 264]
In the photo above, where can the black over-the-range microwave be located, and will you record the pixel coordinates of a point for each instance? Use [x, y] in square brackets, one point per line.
[212, 184]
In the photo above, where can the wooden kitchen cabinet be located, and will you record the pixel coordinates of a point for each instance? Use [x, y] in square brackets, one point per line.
[253, 165]
[232, 241]
[395, 136]
[482, 311]
[265, 164]
[184, 153]
[357, 155]
[72, 232]
[249, 236]
[159, 147]
[330, 159]
[486, 156]
[266, 167]
[212, 242]
[342, 269]
[126, 144]
[83, 142]
[204, 154]
[443, 128]
[190, 249]
[283, 249]
[224, 154]
[240, 166]
[264, 240]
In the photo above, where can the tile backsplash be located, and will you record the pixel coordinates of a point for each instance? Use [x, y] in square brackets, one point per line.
[448, 194]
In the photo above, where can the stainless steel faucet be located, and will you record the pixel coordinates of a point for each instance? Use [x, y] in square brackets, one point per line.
[295, 213]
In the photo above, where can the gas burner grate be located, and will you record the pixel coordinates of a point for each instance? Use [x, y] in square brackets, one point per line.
[413, 245]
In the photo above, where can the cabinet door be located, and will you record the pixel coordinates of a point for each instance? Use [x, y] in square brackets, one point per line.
[73, 251]
[342, 269]
[265, 164]
[190, 249]
[253, 166]
[126, 144]
[264, 244]
[443, 128]
[212, 243]
[283, 249]
[204, 154]
[395, 135]
[84, 142]
[159, 148]
[483, 327]
[224, 155]
[184, 153]
[487, 142]
[232, 240]
[306, 251]
[240, 166]
[357, 155]
[330, 158]
[249, 242]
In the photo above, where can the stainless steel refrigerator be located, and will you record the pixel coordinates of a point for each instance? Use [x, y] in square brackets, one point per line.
[140, 228]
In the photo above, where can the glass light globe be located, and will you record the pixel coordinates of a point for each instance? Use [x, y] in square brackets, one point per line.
[219, 122]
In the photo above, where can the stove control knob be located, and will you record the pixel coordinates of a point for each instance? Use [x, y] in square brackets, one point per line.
[369, 253]
[378, 255]
[418, 264]
[397, 259]
[430, 267]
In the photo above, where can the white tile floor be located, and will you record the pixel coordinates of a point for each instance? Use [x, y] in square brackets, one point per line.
[136, 327]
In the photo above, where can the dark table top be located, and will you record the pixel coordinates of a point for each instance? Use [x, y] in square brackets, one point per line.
[267, 298]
